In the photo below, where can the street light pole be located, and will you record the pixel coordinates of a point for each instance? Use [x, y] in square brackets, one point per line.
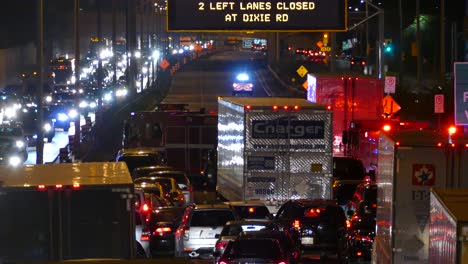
[77, 71]
[40, 63]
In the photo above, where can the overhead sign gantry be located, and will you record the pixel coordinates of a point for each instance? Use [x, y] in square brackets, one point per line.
[262, 15]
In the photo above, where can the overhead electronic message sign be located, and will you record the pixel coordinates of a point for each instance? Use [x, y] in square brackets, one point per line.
[262, 15]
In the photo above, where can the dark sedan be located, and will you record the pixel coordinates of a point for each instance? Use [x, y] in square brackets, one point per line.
[163, 223]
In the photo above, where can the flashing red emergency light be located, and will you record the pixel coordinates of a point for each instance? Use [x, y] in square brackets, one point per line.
[248, 107]
[296, 107]
[387, 128]
[275, 107]
[452, 130]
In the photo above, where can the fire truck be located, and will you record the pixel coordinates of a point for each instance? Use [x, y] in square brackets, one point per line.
[186, 137]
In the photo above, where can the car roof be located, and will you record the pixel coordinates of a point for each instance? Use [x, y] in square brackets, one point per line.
[251, 222]
[211, 206]
[314, 202]
[167, 172]
[139, 151]
[153, 168]
[245, 203]
[152, 178]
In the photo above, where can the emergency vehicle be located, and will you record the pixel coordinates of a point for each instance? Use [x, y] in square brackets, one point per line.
[185, 136]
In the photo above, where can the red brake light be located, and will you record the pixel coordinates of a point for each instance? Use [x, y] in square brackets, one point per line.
[145, 235]
[452, 130]
[275, 107]
[41, 187]
[439, 144]
[285, 107]
[145, 208]
[348, 224]
[363, 238]
[58, 186]
[76, 185]
[248, 107]
[221, 244]
[163, 229]
[387, 128]
[251, 210]
[359, 253]
[296, 224]
[313, 212]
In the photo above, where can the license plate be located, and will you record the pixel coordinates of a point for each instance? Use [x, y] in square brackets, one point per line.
[207, 234]
[307, 240]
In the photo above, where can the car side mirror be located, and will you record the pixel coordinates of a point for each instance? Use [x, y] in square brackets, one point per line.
[217, 235]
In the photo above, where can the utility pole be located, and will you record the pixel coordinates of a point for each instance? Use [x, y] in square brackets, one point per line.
[418, 46]
[40, 63]
[114, 43]
[99, 70]
[400, 49]
[132, 44]
[77, 71]
[442, 39]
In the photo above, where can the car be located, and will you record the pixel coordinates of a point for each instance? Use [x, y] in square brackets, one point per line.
[357, 63]
[169, 188]
[348, 173]
[242, 84]
[15, 141]
[10, 153]
[181, 179]
[233, 229]
[254, 250]
[146, 170]
[61, 115]
[317, 225]
[142, 235]
[251, 210]
[29, 117]
[163, 223]
[196, 235]
[151, 194]
[140, 157]
[366, 194]
[285, 239]
[361, 232]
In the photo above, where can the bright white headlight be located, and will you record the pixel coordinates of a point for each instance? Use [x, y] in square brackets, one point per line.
[48, 99]
[10, 112]
[14, 161]
[62, 117]
[47, 127]
[83, 104]
[73, 113]
[19, 143]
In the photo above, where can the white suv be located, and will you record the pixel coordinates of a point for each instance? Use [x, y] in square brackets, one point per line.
[196, 236]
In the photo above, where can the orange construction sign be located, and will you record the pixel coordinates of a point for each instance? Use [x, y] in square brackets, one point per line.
[164, 64]
[390, 106]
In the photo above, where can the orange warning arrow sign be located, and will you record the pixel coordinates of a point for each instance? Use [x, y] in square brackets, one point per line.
[164, 64]
[390, 106]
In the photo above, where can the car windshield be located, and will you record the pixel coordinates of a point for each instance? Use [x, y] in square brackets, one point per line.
[252, 212]
[137, 161]
[10, 131]
[348, 169]
[180, 178]
[211, 218]
[5, 143]
[255, 248]
[236, 229]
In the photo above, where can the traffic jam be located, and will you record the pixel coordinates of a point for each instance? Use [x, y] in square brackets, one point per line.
[293, 155]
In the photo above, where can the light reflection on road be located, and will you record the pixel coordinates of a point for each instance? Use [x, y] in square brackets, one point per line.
[60, 140]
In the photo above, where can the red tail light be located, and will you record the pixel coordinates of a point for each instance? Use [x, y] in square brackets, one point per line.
[41, 187]
[313, 212]
[145, 208]
[359, 253]
[363, 238]
[76, 185]
[282, 262]
[165, 229]
[223, 261]
[145, 235]
[220, 244]
[296, 224]
[58, 186]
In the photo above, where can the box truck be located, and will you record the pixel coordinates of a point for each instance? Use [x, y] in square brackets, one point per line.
[274, 149]
[66, 211]
[448, 227]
